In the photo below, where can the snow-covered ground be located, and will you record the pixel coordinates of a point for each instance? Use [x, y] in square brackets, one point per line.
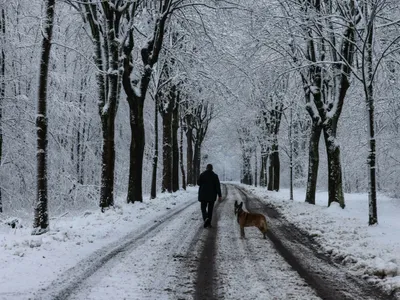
[30, 263]
[372, 252]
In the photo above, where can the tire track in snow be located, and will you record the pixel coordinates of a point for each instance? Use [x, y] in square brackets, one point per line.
[150, 270]
[73, 278]
[205, 287]
[329, 280]
[251, 268]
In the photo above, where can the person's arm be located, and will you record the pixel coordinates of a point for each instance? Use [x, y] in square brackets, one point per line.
[199, 180]
[219, 189]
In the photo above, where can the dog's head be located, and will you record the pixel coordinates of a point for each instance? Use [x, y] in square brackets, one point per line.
[238, 207]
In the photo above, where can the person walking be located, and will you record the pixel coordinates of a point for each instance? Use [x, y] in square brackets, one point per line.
[209, 189]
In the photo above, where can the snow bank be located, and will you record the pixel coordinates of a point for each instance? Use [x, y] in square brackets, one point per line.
[372, 252]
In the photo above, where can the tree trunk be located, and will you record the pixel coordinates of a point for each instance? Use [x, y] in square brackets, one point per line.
[106, 58]
[189, 155]
[80, 136]
[153, 192]
[247, 176]
[274, 167]
[41, 218]
[291, 151]
[335, 189]
[2, 87]
[136, 94]
[196, 161]
[313, 163]
[175, 145]
[108, 162]
[264, 166]
[167, 152]
[277, 167]
[255, 168]
[136, 154]
[369, 93]
[181, 159]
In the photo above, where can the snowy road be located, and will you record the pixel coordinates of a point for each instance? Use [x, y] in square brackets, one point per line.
[174, 257]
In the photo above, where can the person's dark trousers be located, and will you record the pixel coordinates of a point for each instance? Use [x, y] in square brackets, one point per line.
[207, 211]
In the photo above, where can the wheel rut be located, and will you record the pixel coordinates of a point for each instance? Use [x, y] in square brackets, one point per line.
[206, 273]
[328, 279]
[72, 279]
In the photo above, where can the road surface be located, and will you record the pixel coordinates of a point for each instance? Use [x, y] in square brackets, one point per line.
[174, 257]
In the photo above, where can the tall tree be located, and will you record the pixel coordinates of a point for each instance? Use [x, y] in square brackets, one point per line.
[273, 122]
[41, 219]
[247, 147]
[188, 126]
[136, 90]
[370, 60]
[2, 86]
[324, 59]
[182, 166]
[166, 108]
[203, 114]
[104, 20]
[153, 191]
[175, 144]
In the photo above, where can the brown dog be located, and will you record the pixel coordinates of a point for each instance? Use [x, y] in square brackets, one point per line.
[246, 219]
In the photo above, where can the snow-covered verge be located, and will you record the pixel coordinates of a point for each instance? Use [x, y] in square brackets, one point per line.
[372, 252]
[32, 262]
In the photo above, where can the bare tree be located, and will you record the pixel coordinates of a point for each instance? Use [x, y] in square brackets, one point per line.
[370, 61]
[182, 166]
[136, 89]
[247, 146]
[324, 59]
[203, 114]
[41, 219]
[153, 191]
[2, 86]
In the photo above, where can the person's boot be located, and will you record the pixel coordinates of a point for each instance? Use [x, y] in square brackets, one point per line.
[206, 223]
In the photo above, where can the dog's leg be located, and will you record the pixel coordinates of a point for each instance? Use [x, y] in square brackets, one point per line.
[242, 232]
[263, 229]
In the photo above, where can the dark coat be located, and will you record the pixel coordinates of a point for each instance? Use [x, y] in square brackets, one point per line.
[209, 186]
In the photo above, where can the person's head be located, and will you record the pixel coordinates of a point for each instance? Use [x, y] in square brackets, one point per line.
[209, 167]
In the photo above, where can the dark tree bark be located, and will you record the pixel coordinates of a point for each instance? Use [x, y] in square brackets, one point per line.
[202, 116]
[335, 190]
[104, 21]
[189, 149]
[108, 109]
[181, 157]
[255, 169]
[196, 160]
[335, 181]
[136, 94]
[291, 151]
[272, 120]
[167, 149]
[153, 192]
[175, 145]
[264, 165]
[81, 136]
[247, 146]
[373, 211]
[247, 177]
[329, 53]
[313, 162]
[41, 218]
[274, 168]
[2, 87]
